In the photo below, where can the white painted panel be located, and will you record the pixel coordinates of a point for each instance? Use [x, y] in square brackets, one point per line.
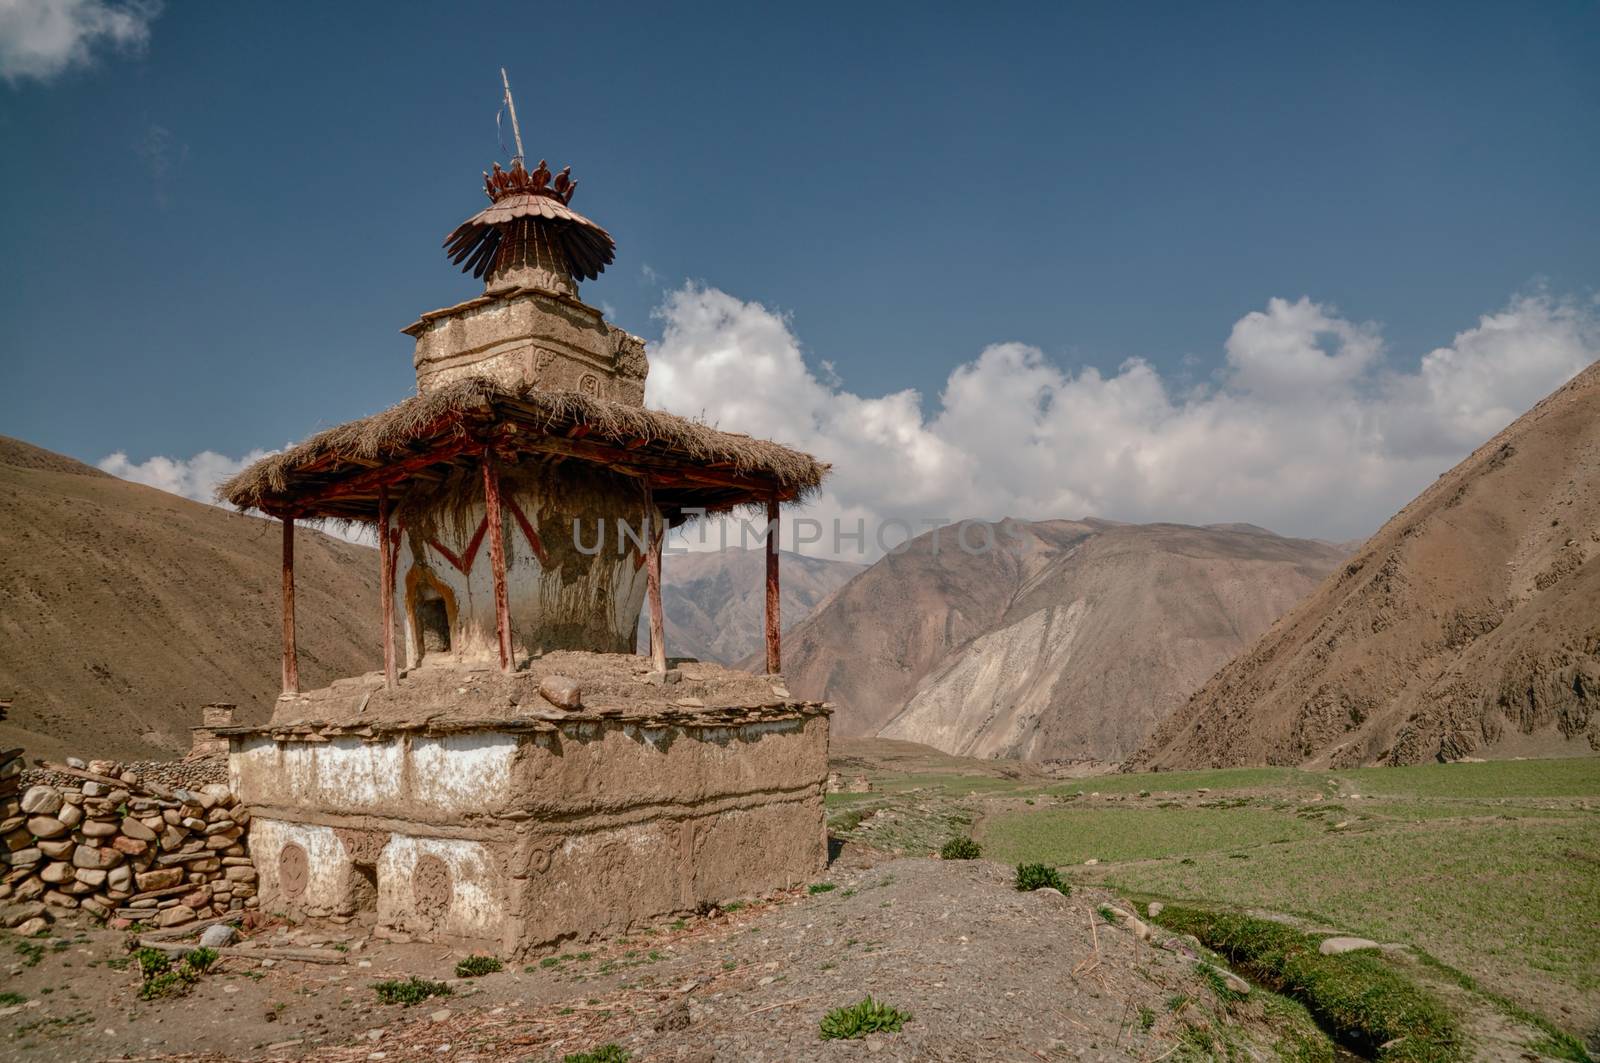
[462, 773]
[476, 906]
[327, 862]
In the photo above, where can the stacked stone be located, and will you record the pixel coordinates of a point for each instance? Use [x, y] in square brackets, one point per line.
[116, 847]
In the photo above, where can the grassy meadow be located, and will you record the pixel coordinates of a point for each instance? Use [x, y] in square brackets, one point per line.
[1489, 872]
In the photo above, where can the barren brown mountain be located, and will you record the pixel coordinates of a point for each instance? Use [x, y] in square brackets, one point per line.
[1468, 625]
[715, 601]
[1068, 641]
[124, 608]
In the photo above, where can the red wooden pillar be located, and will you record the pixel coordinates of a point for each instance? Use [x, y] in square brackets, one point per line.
[386, 586]
[291, 661]
[497, 558]
[658, 620]
[774, 623]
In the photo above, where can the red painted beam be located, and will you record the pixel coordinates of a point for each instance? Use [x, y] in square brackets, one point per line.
[386, 586]
[497, 559]
[291, 661]
[652, 582]
[774, 622]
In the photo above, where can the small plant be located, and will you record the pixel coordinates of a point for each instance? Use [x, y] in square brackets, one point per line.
[960, 847]
[860, 1019]
[473, 966]
[413, 990]
[820, 887]
[1108, 913]
[1147, 1018]
[8, 1000]
[611, 1053]
[159, 978]
[1032, 877]
[733, 906]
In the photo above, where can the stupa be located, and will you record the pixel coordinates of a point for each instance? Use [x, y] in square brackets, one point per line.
[526, 778]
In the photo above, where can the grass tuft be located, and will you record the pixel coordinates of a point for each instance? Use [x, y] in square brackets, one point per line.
[413, 990]
[1032, 877]
[821, 887]
[961, 847]
[609, 1053]
[1357, 996]
[474, 966]
[862, 1018]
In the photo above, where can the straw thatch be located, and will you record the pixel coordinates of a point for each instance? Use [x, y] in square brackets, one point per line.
[701, 465]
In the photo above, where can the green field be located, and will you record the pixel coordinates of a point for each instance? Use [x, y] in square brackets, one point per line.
[1489, 872]
[1494, 869]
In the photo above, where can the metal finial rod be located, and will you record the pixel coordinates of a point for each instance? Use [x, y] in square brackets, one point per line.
[511, 106]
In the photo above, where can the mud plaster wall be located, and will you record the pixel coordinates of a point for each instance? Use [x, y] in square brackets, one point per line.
[525, 840]
[560, 597]
[533, 338]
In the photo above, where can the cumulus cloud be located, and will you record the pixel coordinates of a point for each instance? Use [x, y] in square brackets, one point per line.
[1310, 427]
[40, 39]
[196, 477]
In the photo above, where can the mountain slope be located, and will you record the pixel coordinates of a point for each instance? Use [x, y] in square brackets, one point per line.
[1069, 641]
[715, 601]
[1468, 625]
[123, 609]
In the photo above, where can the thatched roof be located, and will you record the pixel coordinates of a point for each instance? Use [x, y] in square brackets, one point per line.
[337, 473]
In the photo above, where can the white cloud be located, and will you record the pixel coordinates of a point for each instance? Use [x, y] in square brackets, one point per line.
[40, 39]
[196, 478]
[1307, 429]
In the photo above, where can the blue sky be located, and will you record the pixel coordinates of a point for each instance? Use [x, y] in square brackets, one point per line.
[214, 227]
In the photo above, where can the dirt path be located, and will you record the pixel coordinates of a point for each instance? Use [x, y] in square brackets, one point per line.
[986, 973]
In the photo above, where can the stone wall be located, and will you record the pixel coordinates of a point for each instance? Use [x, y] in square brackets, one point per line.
[100, 839]
[521, 840]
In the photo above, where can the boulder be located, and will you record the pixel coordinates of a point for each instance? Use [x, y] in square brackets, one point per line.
[130, 846]
[104, 857]
[120, 878]
[177, 915]
[42, 801]
[16, 914]
[216, 937]
[32, 927]
[70, 814]
[97, 828]
[134, 829]
[59, 849]
[561, 691]
[240, 874]
[57, 873]
[90, 876]
[46, 827]
[1336, 946]
[163, 878]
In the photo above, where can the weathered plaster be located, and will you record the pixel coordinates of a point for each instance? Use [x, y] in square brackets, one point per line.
[591, 827]
[528, 336]
[560, 596]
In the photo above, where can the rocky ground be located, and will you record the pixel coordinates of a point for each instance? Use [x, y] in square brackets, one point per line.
[985, 972]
